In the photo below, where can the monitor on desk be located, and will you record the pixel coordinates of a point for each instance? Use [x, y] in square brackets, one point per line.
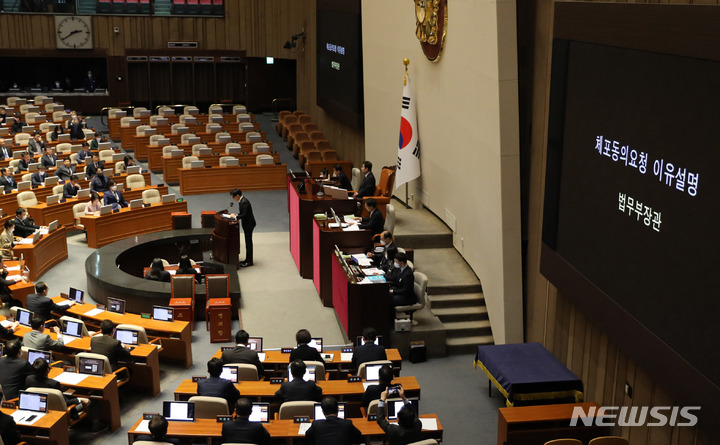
[104, 146]
[162, 313]
[166, 199]
[33, 166]
[136, 203]
[18, 154]
[394, 407]
[179, 411]
[92, 366]
[232, 162]
[34, 354]
[59, 163]
[52, 199]
[230, 373]
[76, 295]
[53, 225]
[135, 169]
[63, 138]
[72, 328]
[36, 236]
[309, 374]
[319, 415]
[30, 401]
[378, 340]
[260, 412]
[105, 210]
[24, 316]
[116, 305]
[316, 343]
[24, 185]
[372, 373]
[83, 193]
[197, 164]
[28, 129]
[108, 172]
[51, 181]
[255, 344]
[127, 336]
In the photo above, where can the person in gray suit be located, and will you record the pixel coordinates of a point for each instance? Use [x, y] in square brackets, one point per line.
[36, 146]
[37, 339]
[241, 353]
[105, 344]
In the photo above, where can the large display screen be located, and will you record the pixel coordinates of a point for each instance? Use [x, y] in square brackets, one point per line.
[339, 60]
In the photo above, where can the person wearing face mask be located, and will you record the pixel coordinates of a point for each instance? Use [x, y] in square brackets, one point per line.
[114, 197]
[384, 259]
[100, 182]
[39, 177]
[402, 283]
[95, 143]
[7, 241]
[36, 145]
[24, 225]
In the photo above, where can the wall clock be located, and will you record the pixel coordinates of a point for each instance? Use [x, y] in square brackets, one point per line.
[73, 32]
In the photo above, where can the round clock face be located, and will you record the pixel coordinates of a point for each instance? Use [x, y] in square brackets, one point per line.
[73, 32]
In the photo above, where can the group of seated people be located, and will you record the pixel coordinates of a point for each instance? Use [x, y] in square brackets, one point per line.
[16, 229]
[157, 270]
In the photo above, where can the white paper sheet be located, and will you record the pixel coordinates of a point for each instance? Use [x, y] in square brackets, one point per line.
[6, 323]
[70, 378]
[93, 312]
[65, 303]
[10, 269]
[27, 417]
[351, 228]
[303, 428]
[25, 241]
[143, 427]
[15, 278]
[346, 356]
[67, 339]
[429, 424]
[261, 356]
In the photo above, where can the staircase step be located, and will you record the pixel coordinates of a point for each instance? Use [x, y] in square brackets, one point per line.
[453, 289]
[451, 314]
[467, 328]
[467, 345]
[424, 240]
[442, 301]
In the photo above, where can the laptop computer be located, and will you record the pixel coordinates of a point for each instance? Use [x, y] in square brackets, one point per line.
[136, 203]
[24, 316]
[76, 295]
[229, 373]
[51, 181]
[179, 411]
[394, 406]
[53, 225]
[309, 373]
[319, 415]
[197, 164]
[232, 162]
[33, 166]
[372, 373]
[116, 305]
[104, 210]
[83, 193]
[378, 340]
[92, 366]
[255, 344]
[166, 199]
[316, 343]
[52, 199]
[162, 313]
[127, 336]
[34, 354]
[72, 328]
[260, 412]
[104, 146]
[36, 237]
[30, 401]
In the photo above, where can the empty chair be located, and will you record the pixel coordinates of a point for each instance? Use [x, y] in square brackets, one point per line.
[564, 442]
[12, 100]
[290, 131]
[239, 109]
[361, 369]
[64, 147]
[127, 121]
[154, 120]
[79, 211]
[196, 148]
[112, 112]
[289, 410]
[155, 138]
[14, 165]
[46, 126]
[73, 158]
[390, 218]
[58, 190]
[310, 126]
[304, 119]
[209, 407]
[191, 110]
[34, 118]
[243, 117]
[89, 134]
[106, 156]
[139, 111]
[233, 148]
[213, 128]
[151, 196]
[330, 155]
[56, 402]
[168, 149]
[244, 127]
[253, 136]
[57, 116]
[223, 160]
[119, 167]
[261, 147]
[22, 138]
[178, 128]
[134, 181]
[27, 199]
[299, 138]
[24, 108]
[121, 374]
[151, 442]
[609, 440]
[83, 329]
[312, 156]
[322, 145]
[27, 177]
[187, 160]
[140, 129]
[316, 135]
[185, 138]
[420, 287]
[141, 334]
[187, 119]
[264, 160]
[215, 109]
[222, 135]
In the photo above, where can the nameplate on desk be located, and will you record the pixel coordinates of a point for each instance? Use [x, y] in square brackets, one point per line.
[301, 419]
[276, 380]
[347, 350]
[224, 418]
[145, 315]
[227, 348]
[100, 306]
[354, 379]
[197, 378]
[372, 417]
[9, 405]
[69, 369]
[286, 350]
[149, 416]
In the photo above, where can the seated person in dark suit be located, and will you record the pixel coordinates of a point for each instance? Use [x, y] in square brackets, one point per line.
[49, 159]
[303, 351]
[94, 166]
[368, 351]
[39, 177]
[18, 125]
[242, 354]
[402, 284]
[158, 427]
[100, 182]
[9, 432]
[13, 369]
[115, 198]
[105, 344]
[71, 188]
[367, 187]
[6, 180]
[372, 392]
[24, 225]
[66, 171]
[36, 146]
[297, 389]
[39, 379]
[241, 429]
[333, 430]
[95, 143]
[39, 303]
[375, 221]
[84, 153]
[5, 292]
[38, 339]
[407, 430]
[342, 178]
[214, 386]
[185, 267]
[157, 272]
[384, 259]
[5, 151]
[24, 163]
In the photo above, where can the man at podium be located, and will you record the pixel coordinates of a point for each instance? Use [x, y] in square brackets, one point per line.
[247, 220]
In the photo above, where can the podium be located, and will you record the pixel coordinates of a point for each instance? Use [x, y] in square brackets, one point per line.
[226, 240]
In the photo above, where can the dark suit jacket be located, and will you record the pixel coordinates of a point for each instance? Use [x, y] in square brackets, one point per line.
[110, 348]
[43, 306]
[241, 354]
[116, 203]
[374, 223]
[368, 352]
[13, 372]
[372, 392]
[397, 435]
[384, 260]
[92, 168]
[23, 165]
[99, 185]
[34, 381]
[24, 228]
[9, 153]
[244, 431]
[49, 161]
[94, 144]
[37, 178]
[35, 147]
[305, 353]
[65, 174]
[69, 190]
[333, 431]
[403, 285]
[82, 154]
[6, 184]
[217, 387]
[8, 430]
[149, 438]
[245, 214]
[367, 188]
[344, 181]
[298, 390]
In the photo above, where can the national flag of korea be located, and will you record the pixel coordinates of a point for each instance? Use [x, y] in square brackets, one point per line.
[408, 163]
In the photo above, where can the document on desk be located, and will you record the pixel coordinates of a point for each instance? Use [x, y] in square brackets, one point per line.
[70, 378]
[14, 278]
[25, 241]
[6, 323]
[65, 303]
[366, 384]
[336, 225]
[67, 339]
[10, 269]
[304, 426]
[351, 228]
[373, 271]
[93, 312]
[429, 424]
[27, 417]
[44, 231]
[143, 427]
[362, 260]
[346, 356]
[261, 356]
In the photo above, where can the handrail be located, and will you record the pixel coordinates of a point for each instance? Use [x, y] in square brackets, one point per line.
[105, 112]
[276, 109]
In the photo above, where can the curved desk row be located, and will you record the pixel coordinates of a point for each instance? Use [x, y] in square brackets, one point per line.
[194, 181]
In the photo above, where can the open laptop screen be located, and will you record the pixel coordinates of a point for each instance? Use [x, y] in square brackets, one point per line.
[34, 354]
[162, 313]
[260, 412]
[76, 295]
[72, 328]
[378, 340]
[33, 402]
[255, 344]
[230, 373]
[372, 373]
[319, 415]
[116, 305]
[394, 407]
[316, 343]
[179, 411]
[127, 336]
[91, 366]
[309, 374]
[24, 316]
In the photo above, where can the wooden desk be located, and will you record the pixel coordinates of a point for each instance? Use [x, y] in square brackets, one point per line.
[194, 181]
[105, 229]
[21, 289]
[44, 214]
[209, 429]
[171, 164]
[315, 167]
[50, 250]
[529, 425]
[324, 241]
[102, 390]
[175, 336]
[51, 429]
[155, 155]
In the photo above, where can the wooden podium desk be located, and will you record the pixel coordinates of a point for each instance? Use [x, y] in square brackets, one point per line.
[529, 425]
[283, 430]
[315, 168]
[105, 229]
[101, 390]
[40, 257]
[175, 336]
[194, 181]
[52, 429]
[44, 214]
[21, 289]
[302, 206]
[324, 241]
[171, 164]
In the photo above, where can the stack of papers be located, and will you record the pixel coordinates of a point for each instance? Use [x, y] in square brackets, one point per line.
[66, 303]
[373, 271]
[70, 378]
[351, 228]
[67, 339]
[10, 269]
[27, 417]
[6, 323]
[261, 356]
[15, 278]
[362, 260]
[44, 231]
[429, 424]
[25, 241]
[93, 312]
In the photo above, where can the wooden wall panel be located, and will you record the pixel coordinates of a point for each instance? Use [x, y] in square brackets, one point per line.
[551, 319]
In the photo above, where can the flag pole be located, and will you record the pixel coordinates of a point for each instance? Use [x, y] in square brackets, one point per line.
[406, 62]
